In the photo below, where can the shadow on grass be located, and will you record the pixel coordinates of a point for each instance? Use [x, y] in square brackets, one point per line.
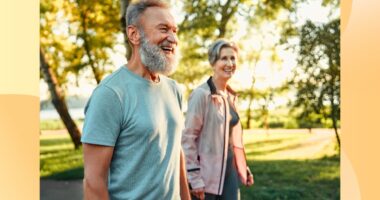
[295, 179]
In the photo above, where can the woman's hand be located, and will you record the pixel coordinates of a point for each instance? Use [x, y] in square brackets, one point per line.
[199, 193]
[250, 180]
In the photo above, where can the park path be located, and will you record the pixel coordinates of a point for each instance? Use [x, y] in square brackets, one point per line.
[61, 190]
[310, 147]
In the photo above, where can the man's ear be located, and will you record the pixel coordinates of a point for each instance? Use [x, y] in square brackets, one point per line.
[133, 34]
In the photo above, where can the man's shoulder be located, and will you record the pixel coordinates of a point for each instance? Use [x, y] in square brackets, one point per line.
[171, 82]
[114, 79]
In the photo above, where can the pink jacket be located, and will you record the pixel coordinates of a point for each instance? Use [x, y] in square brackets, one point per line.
[205, 139]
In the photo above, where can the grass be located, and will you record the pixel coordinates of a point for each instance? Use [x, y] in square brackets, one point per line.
[286, 165]
[58, 158]
[293, 166]
[55, 124]
[294, 179]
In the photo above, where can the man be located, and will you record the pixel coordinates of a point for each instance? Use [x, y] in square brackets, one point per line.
[131, 134]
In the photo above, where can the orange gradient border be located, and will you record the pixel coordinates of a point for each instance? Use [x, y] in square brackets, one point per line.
[360, 165]
[19, 101]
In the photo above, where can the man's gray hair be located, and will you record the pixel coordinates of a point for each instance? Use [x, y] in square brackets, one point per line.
[135, 10]
[216, 47]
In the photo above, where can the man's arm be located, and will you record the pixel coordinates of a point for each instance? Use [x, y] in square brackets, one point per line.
[184, 188]
[97, 160]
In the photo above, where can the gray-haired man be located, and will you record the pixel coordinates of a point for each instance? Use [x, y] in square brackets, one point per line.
[132, 129]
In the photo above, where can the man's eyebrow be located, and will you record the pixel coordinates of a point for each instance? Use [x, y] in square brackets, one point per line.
[168, 26]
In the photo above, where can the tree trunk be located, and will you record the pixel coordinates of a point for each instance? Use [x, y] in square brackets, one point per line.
[86, 44]
[123, 9]
[227, 12]
[251, 95]
[334, 120]
[248, 125]
[58, 100]
[250, 103]
[336, 132]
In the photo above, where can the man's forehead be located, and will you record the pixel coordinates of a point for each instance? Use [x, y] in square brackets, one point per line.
[158, 16]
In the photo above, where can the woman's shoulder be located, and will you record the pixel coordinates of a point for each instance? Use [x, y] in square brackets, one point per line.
[202, 89]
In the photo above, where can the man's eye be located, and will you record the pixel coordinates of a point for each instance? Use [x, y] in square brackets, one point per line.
[163, 30]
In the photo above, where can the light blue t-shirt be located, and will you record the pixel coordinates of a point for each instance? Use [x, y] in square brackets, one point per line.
[143, 122]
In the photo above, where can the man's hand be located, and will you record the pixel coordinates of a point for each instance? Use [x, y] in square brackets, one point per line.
[199, 193]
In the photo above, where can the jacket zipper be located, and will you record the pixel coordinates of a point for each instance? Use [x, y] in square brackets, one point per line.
[224, 142]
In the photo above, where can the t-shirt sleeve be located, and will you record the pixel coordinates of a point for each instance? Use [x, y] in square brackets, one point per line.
[179, 96]
[103, 117]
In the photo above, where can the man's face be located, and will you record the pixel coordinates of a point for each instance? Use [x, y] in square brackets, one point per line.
[158, 40]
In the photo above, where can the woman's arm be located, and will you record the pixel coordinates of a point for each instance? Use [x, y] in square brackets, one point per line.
[190, 135]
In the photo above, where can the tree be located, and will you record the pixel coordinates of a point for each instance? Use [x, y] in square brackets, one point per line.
[317, 78]
[58, 100]
[205, 21]
[81, 33]
[198, 13]
[75, 36]
[123, 24]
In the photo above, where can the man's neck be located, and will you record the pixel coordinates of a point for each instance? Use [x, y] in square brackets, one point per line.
[135, 65]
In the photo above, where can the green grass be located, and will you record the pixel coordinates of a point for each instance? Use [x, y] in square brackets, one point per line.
[285, 165]
[313, 172]
[58, 158]
[294, 179]
[55, 124]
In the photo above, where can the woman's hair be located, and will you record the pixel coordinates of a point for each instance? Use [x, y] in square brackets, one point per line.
[216, 47]
[135, 10]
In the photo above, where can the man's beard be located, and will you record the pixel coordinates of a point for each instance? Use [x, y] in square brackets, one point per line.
[154, 59]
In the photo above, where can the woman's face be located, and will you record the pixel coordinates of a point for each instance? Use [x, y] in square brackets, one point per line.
[225, 66]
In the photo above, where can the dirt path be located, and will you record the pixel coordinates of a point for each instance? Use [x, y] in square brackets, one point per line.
[307, 148]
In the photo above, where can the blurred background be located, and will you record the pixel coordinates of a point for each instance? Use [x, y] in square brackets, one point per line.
[288, 80]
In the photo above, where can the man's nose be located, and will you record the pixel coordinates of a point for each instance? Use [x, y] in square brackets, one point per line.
[172, 38]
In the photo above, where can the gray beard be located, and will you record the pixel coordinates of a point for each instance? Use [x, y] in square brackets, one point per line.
[154, 59]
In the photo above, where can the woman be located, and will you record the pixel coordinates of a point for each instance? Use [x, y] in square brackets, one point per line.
[212, 138]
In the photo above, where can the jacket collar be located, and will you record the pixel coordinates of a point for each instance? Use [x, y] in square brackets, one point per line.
[213, 88]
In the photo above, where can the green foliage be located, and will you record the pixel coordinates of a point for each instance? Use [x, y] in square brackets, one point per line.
[76, 35]
[205, 21]
[195, 37]
[317, 79]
